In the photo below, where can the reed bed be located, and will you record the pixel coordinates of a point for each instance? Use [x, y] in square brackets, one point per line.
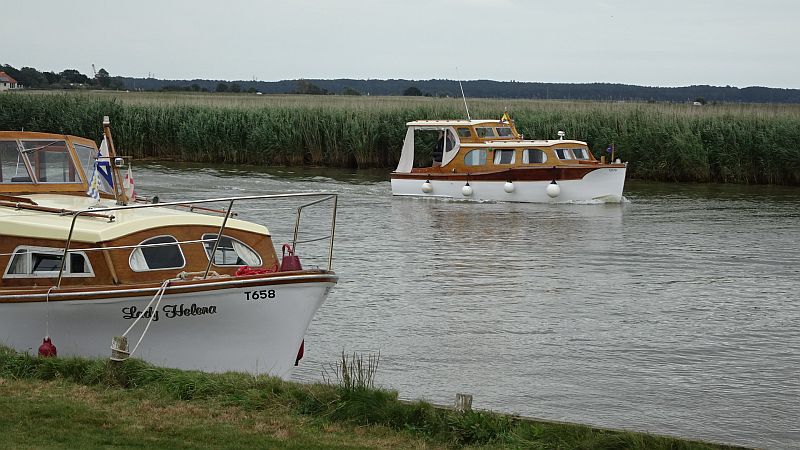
[737, 143]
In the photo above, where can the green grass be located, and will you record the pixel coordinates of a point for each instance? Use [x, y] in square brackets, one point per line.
[81, 403]
[737, 143]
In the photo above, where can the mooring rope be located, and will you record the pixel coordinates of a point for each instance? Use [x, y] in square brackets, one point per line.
[159, 295]
[47, 312]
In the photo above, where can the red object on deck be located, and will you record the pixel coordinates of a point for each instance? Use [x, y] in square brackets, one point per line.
[247, 270]
[300, 352]
[47, 349]
[289, 261]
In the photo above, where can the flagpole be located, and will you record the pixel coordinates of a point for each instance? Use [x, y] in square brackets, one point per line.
[120, 195]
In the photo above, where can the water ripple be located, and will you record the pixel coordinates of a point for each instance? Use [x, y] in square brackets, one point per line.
[674, 313]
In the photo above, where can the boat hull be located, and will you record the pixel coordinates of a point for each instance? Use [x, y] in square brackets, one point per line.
[601, 184]
[249, 325]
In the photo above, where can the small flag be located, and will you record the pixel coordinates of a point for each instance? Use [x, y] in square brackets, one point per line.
[505, 118]
[103, 166]
[127, 184]
[94, 185]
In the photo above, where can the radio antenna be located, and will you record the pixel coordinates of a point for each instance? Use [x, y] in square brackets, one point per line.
[465, 99]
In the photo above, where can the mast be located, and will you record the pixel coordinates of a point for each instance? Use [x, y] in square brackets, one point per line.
[119, 190]
[465, 99]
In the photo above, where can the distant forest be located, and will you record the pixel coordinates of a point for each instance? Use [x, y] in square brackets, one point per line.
[72, 79]
[483, 89]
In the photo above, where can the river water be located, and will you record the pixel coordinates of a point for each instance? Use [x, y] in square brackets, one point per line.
[674, 313]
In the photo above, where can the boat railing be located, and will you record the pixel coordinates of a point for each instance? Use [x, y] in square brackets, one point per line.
[324, 197]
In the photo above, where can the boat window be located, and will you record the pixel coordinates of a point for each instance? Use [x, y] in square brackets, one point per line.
[505, 132]
[504, 156]
[563, 153]
[51, 161]
[156, 253]
[533, 156]
[580, 153]
[46, 262]
[86, 158]
[475, 158]
[12, 167]
[464, 132]
[78, 263]
[231, 252]
[484, 132]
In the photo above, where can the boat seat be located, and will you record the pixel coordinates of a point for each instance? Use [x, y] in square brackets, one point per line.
[21, 179]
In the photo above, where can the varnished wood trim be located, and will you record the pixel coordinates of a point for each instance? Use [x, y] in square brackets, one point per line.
[110, 264]
[35, 207]
[33, 135]
[87, 293]
[44, 188]
[557, 173]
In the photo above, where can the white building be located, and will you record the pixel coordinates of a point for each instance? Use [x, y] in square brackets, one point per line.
[6, 82]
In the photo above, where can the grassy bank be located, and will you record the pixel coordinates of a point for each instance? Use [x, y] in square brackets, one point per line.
[79, 403]
[666, 142]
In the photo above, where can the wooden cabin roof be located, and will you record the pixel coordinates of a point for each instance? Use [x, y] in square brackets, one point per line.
[51, 225]
[454, 123]
[522, 143]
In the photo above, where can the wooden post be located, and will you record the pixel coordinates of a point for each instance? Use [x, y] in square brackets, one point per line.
[463, 402]
[119, 348]
[119, 190]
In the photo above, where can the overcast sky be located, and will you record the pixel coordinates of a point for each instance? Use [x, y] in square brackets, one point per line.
[651, 43]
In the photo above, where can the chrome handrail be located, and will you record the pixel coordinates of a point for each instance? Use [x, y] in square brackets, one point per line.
[216, 241]
[333, 227]
[231, 200]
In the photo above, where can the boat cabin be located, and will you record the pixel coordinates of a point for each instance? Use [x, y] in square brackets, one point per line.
[470, 146]
[44, 162]
[44, 179]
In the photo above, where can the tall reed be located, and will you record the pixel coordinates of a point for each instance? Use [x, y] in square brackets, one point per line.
[668, 142]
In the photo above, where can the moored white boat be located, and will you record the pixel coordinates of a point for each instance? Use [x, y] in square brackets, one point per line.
[190, 288]
[219, 328]
[488, 160]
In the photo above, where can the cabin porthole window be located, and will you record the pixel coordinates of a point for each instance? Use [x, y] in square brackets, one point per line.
[51, 161]
[160, 252]
[45, 262]
[485, 132]
[231, 252]
[504, 157]
[12, 166]
[533, 156]
[505, 132]
[475, 158]
[563, 153]
[580, 153]
[86, 158]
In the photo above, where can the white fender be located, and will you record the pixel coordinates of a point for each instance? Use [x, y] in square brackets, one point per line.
[553, 189]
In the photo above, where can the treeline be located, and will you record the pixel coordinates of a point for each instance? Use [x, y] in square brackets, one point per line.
[661, 142]
[490, 89]
[72, 79]
[29, 77]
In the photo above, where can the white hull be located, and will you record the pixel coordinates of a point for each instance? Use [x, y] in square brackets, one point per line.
[236, 332]
[603, 185]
